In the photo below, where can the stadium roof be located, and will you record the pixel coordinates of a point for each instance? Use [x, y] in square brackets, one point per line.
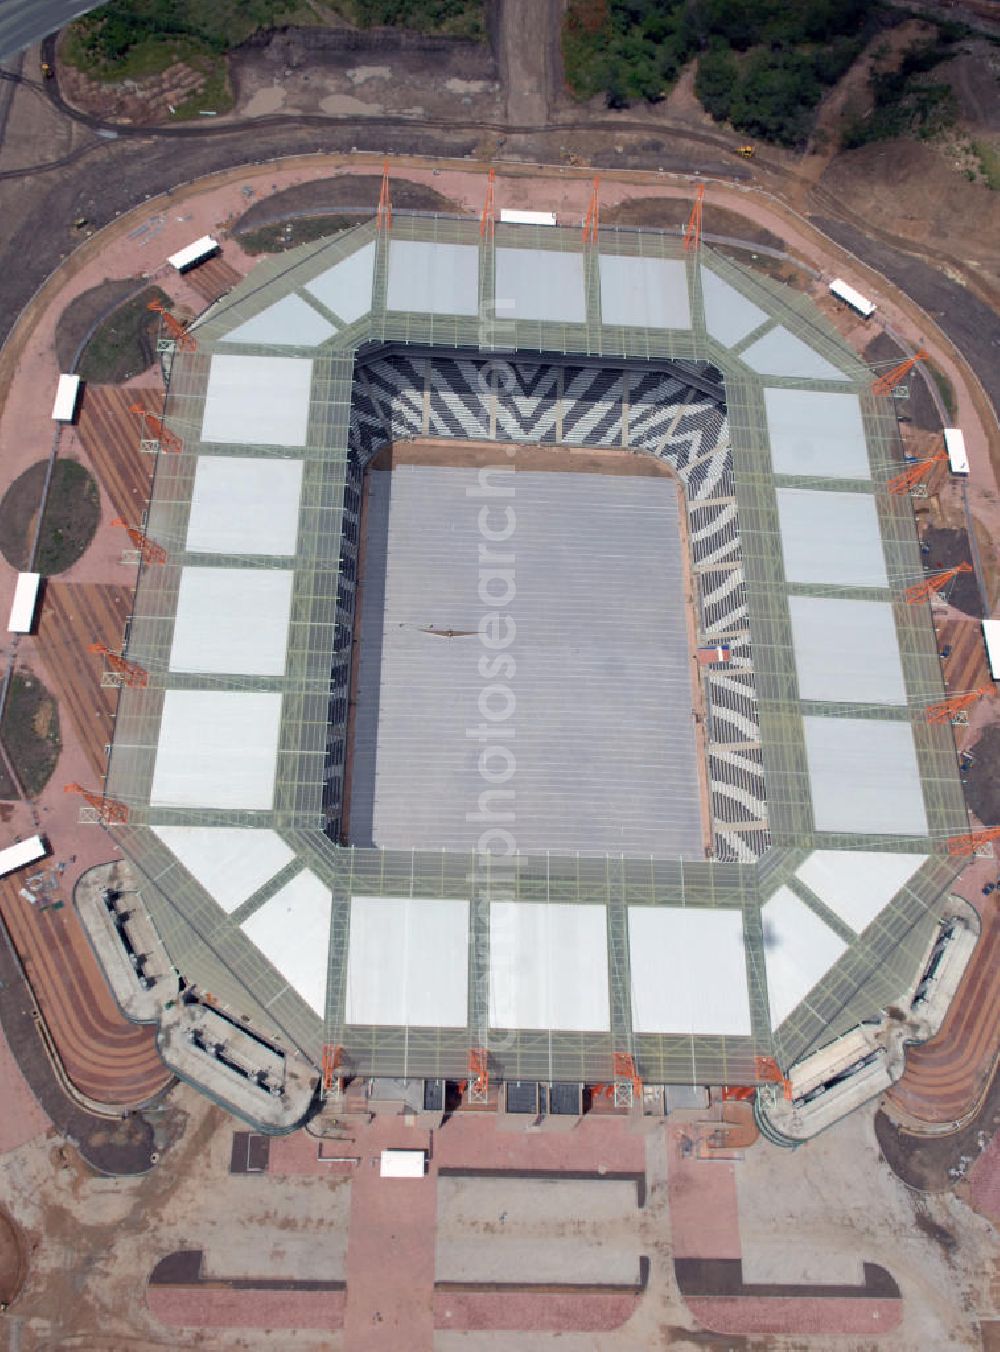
[803, 924]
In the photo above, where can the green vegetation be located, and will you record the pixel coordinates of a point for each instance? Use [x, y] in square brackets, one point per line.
[989, 163]
[453, 18]
[763, 64]
[125, 343]
[68, 524]
[30, 731]
[71, 516]
[905, 102]
[129, 39]
[290, 234]
[945, 389]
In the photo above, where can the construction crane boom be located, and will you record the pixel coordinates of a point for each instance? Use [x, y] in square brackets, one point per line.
[885, 384]
[178, 333]
[945, 710]
[592, 220]
[169, 441]
[383, 217]
[110, 811]
[487, 223]
[914, 473]
[923, 591]
[130, 672]
[692, 234]
[970, 843]
[149, 550]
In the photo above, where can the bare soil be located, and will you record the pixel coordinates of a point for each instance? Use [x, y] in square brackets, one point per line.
[30, 731]
[72, 513]
[81, 316]
[371, 73]
[139, 103]
[982, 779]
[347, 193]
[924, 1161]
[948, 548]
[882, 353]
[671, 213]
[124, 343]
[13, 1259]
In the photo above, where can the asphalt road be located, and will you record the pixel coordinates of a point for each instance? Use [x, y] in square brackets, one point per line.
[972, 326]
[23, 22]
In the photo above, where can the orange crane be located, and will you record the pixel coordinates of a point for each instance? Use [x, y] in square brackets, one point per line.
[110, 811]
[149, 550]
[479, 1069]
[487, 223]
[945, 710]
[913, 474]
[885, 384]
[626, 1073]
[333, 1060]
[692, 234]
[923, 591]
[130, 672]
[178, 333]
[969, 844]
[592, 220]
[169, 441]
[383, 217]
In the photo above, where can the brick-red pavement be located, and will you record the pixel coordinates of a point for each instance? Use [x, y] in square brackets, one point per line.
[822, 1315]
[207, 1307]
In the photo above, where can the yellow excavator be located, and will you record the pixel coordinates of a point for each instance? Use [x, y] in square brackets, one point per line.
[748, 152]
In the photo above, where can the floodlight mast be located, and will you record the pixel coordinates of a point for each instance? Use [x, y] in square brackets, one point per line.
[130, 673]
[149, 550]
[178, 333]
[885, 384]
[692, 233]
[162, 435]
[923, 591]
[109, 811]
[592, 220]
[913, 474]
[487, 223]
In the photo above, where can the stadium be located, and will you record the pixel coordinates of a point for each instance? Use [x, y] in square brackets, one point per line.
[530, 671]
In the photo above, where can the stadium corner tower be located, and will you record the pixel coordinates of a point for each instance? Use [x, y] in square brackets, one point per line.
[530, 670]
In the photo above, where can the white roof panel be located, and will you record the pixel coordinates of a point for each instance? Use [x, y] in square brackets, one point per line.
[991, 637]
[231, 863]
[549, 966]
[798, 950]
[346, 288]
[438, 279]
[954, 444]
[213, 631]
[648, 293]
[729, 316]
[780, 353]
[260, 401]
[402, 1164]
[193, 253]
[244, 505]
[22, 610]
[855, 299]
[408, 962]
[689, 972]
[846, 650]
[292, 931]
[857, 884]
[22, 853]
[540, 284]
[67, 393]
[831, 537]
[289, 322]
[813, 432]
[864, 776]
[217, 748]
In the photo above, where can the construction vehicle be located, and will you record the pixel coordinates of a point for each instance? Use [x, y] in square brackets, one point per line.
[48, 70]
[747, 152]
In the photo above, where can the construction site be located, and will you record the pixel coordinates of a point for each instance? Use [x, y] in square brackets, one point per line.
[531, 698]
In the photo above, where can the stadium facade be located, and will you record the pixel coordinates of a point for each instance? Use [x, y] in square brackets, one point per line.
[298, 849]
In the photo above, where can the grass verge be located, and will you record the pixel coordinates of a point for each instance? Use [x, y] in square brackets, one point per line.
[71, 516]
[30, 731]
[125, 343]
[290, 234]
